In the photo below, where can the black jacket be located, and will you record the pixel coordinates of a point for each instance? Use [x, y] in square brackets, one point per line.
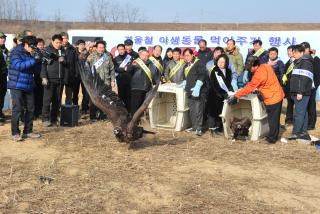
[71, 71]
[139, 79]
[3, 68]
[134, 55]
[300, 84]
[286, 87]
[316, 71]
[51, 71]
[217, 90]
[123, 77]
[197, 72]
[205, 56]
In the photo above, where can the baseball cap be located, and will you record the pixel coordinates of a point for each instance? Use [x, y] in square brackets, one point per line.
[19, 36]
[2, 34]
[128, 42]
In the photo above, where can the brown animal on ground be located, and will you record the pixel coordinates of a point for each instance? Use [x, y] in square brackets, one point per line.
[240, 127]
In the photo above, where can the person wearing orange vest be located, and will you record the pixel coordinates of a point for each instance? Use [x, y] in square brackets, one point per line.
[266, 83]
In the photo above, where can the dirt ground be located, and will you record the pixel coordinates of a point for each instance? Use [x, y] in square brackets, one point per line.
[166, 173]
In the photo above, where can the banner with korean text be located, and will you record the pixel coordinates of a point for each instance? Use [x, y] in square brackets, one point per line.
[183, 39]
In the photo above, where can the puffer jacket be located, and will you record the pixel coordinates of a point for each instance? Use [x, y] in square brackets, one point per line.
[299, 82]
[265, 80]
[21, 69]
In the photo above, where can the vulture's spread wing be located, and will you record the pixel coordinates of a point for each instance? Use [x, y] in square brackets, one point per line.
[103, 97]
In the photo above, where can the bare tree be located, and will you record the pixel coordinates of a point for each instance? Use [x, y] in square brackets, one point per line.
[116, 13]
[18, 10]
[31, 10]
[132, 14]
[57, 16]
[112, 12]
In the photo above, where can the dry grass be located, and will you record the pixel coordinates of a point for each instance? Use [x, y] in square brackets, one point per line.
[168, 173]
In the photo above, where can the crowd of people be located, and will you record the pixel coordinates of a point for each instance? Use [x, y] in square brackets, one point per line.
[38, 75]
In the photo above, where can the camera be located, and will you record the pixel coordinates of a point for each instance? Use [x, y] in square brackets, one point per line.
[43, 56]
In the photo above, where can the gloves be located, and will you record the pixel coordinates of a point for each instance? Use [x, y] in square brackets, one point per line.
[61, 59]
[232, 100]
[299, 97]
[44, 81]
[318, 94]
[196, 89]
[230, 94]
[234, 84]
[245, 77]
[182, 84]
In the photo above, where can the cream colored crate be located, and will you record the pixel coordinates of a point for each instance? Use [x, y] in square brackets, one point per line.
[169, 109]
[249, 106]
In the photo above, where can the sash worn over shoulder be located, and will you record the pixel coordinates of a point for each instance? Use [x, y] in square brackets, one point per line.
[303, 72]
[285, 76]
[221, 82]
[100, 61]
[176, 68]
[187, 69]
[125, 61]
[145, 69]
[259, 52]
[156, 63]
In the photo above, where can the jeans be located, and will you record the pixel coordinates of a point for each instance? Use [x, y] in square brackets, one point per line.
[289, 113]
[22, 100]
[300, 115]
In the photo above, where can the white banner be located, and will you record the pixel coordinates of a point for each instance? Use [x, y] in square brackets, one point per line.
[183, 39]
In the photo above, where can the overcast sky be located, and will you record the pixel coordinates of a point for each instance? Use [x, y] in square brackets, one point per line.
[197, 11]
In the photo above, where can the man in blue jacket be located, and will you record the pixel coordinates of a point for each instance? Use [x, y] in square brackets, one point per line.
[21, 85]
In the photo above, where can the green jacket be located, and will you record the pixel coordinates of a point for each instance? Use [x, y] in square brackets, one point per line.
[106, 70]
[236, 58]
